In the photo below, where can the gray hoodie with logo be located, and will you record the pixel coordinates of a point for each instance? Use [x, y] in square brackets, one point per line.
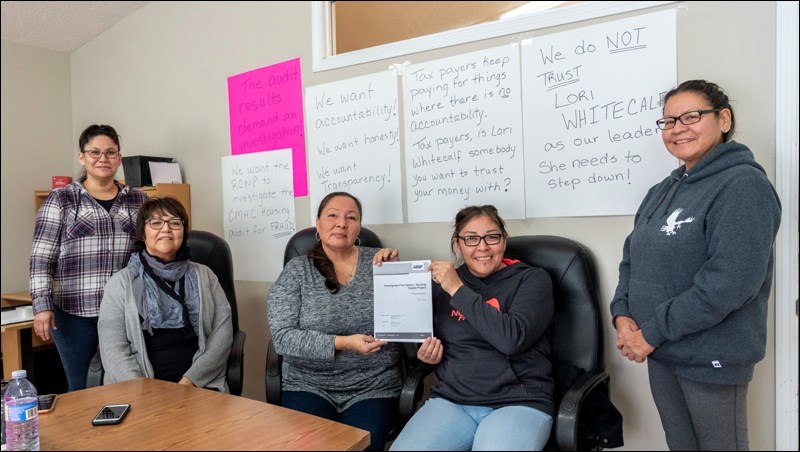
[697, 268]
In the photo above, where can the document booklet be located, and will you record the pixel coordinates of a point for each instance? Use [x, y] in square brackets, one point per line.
[403, 303]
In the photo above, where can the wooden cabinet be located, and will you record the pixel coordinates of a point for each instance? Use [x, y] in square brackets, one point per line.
[181, 192]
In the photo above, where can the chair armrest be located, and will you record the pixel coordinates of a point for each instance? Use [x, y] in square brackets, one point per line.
[273, 375]
[413, 389]
[96, 371]
[235, 368]
[571, 403]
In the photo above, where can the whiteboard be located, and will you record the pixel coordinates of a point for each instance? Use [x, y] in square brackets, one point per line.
[354, 144]
[463, 135]
[258, 210]
[591, 97]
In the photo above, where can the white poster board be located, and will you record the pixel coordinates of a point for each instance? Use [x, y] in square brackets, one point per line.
[591, 97]
[354, 144]
[258, 210]
[463, 135]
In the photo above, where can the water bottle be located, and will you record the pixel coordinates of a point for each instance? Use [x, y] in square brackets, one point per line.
[3, 413]
[22, 413]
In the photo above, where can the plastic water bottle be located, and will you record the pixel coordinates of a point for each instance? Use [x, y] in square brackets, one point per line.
[22, 413]
[3, 413]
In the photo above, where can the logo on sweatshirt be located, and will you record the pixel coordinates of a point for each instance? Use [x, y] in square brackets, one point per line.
[674, 223]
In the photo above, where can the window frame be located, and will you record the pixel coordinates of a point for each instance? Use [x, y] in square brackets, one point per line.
[321, 31]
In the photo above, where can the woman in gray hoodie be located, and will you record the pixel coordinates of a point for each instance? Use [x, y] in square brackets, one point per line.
[696, 274]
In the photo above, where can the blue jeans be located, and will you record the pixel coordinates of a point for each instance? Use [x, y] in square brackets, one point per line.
[377, 416]
[76, 341]
[444, 425]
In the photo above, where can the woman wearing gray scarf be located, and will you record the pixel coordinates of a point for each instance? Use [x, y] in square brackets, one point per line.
[164, 316]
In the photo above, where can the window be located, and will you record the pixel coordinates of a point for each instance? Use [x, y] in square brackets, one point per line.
[392, 43]
[358, 25]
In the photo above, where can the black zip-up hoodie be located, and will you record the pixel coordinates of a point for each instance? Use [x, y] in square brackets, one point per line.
[495, 333]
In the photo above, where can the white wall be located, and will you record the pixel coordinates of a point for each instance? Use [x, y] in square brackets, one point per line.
[160, 75]
[36, 144]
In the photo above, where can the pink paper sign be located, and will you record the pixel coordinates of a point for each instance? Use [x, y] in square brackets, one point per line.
[266, 111]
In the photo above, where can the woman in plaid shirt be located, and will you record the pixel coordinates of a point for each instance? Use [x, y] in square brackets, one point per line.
[84, 233]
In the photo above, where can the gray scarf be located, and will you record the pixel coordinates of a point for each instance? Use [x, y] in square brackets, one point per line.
[157, 308]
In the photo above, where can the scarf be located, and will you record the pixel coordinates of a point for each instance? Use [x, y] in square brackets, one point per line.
[159, 308]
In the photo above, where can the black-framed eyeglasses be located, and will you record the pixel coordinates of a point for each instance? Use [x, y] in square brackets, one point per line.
[110, 154]
[690, 117]
[158, 223]
[475, 240]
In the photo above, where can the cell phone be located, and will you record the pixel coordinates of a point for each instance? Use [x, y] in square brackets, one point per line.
[47, 402]
[111, 414]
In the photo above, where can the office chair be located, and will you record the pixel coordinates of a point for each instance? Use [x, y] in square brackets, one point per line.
[211, 250]
[413, 374]
[585, 418]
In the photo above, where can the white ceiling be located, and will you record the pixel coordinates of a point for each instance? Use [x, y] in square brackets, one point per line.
[60, 26]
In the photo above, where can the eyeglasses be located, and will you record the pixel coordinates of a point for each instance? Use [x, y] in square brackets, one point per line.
[110, 154]
[475, 240]
[158, 223]
[690, 117]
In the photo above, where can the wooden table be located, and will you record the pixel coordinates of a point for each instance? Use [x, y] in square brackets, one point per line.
[17, 338]
[169, 416]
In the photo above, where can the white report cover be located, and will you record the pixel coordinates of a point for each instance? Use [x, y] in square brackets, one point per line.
[403, 309]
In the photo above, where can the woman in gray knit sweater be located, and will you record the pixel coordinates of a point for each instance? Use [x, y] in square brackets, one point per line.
[321, 320]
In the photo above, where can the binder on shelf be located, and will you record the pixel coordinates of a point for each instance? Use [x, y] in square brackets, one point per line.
[137, 169]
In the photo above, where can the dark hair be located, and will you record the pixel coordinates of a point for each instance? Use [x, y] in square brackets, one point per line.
[468, 213]
[712, 93]
[317, 255]
[89, 133]
[96, 130]
[168, 205]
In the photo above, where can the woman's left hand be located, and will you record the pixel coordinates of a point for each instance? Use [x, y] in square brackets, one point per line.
[633, 346]
[384, 255]
[444, 273]
[431, 351]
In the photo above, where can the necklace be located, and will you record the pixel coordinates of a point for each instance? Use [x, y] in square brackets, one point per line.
[352, 270]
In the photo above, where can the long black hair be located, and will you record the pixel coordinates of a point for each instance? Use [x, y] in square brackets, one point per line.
[317, 255]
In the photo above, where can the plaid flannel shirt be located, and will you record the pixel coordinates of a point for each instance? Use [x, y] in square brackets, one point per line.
[78, 245]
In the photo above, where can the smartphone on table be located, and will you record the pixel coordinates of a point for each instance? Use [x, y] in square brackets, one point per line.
[47, 402]
[111, 414]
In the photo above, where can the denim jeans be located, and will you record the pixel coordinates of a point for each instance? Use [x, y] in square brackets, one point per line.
[444, 425]
[377, 416]
[76, 341]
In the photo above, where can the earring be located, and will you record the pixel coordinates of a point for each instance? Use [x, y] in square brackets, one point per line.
[358, 241]
[316, 236]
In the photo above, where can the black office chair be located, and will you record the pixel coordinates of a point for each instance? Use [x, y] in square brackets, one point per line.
[413, 388]
[585, 418]
[211, 250]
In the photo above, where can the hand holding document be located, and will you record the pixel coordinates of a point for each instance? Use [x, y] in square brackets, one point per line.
[403, 305]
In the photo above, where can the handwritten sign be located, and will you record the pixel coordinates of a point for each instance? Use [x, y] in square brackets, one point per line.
[591, 98]
[266, 113]
[355, 144]
[258, 206]
[463, 135]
